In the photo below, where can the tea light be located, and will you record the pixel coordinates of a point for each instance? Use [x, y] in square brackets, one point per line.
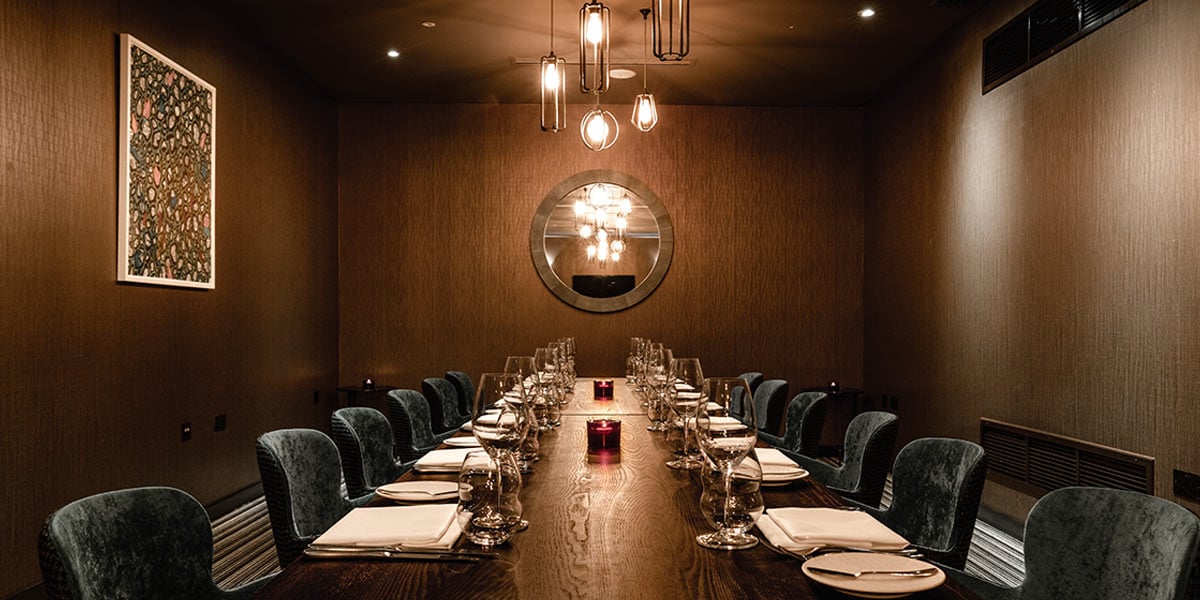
[368, 384]
[604, 440]
[602, 389]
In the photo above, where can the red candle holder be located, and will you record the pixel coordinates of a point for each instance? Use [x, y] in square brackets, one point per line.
[602, 389]
[604, 440]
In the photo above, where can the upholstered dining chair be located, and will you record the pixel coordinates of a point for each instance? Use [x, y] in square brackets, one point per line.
[302, 480]
[150, 542]
[364, 440]
[1101, 544]
[465, 390]
[443, 404]
[866, 457]
[804, 423]
[408, 412]
[753, 379]
[936, 487]
[770, 402]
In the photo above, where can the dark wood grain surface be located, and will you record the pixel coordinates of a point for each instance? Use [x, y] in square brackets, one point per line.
[597, 531]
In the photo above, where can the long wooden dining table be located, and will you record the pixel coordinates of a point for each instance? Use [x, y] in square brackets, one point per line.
[604, 531]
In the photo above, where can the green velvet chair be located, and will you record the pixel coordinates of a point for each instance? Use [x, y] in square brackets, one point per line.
[804, 424]
[408, 412]
[936, 487]
[866, 458]
[770, 402]
[151, 542]
[364, 440]
[1101, 544]
[753, 379]
[464, 389]
[443, 404]
[302, 482]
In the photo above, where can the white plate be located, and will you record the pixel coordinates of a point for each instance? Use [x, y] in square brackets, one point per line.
[419, 491]
[466, 427]
[462, 442]
[769, 479]
[872, 586]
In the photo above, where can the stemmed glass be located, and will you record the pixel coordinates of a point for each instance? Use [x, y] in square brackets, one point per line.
[689, 394]
[726, 440]
[741, 507]
[522, 366]
[566, 387]
[659, 375]
[545, 366]
[631, 361]
[500, 425]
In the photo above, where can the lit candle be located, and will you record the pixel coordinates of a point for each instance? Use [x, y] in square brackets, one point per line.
[604, 440]
[602, 389]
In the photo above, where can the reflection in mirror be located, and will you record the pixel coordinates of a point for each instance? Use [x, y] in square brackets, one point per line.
[601, 241]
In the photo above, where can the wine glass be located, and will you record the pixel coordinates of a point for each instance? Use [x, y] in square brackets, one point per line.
[689, 393]
[745, 502]
[522, 366]
[726, 441]
[659, 375]
[545, 365]
[489, 504]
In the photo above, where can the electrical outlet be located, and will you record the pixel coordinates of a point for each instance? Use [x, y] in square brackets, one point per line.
[219, 422]
[185, 431]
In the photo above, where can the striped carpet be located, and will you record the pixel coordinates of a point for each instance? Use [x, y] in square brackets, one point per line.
[244, 550]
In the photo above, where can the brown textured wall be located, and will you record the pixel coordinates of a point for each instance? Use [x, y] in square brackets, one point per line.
[97, 377]
[436, 204]
[1033, 255]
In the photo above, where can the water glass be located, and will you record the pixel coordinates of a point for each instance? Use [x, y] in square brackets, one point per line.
[734, 514]
[726, 441]
[489, 505]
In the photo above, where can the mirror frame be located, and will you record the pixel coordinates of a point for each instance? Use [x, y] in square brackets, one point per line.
[666, 241]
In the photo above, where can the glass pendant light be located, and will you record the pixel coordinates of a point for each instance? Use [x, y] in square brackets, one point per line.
[553, 83]
[671, 24]
[645, 113]
[599, 128]
[593, 48]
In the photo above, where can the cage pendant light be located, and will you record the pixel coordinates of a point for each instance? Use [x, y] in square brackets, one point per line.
[593, 48]
[599, 128]
[672, 21]
[553, 83]
[645, 113]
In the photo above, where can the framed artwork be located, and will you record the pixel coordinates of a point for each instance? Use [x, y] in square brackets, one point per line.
[167, 179]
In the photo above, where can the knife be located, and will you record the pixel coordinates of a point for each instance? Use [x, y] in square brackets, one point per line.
[351, 548]
[393, 554]
[926, 572]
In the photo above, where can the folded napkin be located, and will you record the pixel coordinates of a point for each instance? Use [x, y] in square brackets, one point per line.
[427, 526]
[775, 462]
[446, 460]
[796, 528]
[683, 387]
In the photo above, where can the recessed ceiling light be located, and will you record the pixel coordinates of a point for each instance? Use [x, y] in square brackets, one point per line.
[428, 24]
[622, 73]
[866, 13]
[393, 53]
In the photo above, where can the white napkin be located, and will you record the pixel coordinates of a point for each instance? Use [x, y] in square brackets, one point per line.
[796, 528]
[446, 461]
[426, 526]
[775, 462]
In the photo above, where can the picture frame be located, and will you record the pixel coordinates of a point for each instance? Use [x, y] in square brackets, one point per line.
[167, 171]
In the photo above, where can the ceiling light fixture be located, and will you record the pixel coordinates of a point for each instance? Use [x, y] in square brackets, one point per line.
[672, 22]
[601, 219]
[599, 128]
[428, 24]
[866, 13]
[553, 83]
[645, 113]
[593, 48]
[393, 53]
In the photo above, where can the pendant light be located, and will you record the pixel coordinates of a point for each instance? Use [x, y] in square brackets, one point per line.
[599, 128]
[645, 113]
[553, 83]
[593, 48]
[672, 21]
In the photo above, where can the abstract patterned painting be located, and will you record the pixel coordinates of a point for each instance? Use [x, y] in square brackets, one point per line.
[167, 178]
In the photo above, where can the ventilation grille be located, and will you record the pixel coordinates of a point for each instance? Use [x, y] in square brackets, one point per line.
[1037, 462]
[1043, 29]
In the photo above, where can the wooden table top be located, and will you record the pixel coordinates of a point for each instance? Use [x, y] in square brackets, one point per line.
[623, 530]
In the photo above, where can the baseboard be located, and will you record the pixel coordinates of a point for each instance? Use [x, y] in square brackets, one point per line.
[37, 592]
[1002, 522]
[227, 504]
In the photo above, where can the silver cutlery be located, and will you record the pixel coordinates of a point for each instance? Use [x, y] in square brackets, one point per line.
[926, 572]
[395, 550]
[392, 554]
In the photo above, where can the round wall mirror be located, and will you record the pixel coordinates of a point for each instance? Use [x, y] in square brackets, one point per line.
[601, 241]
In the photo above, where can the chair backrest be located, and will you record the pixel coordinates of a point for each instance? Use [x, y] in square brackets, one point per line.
[866, 456]
[1104, 544]
[465, 389]
[364, 440]
[936, 487]
[301, 476]
[770, 402]
[151, 542]
[408, 412]
[805, 422]
[443, 404]
[753, 379]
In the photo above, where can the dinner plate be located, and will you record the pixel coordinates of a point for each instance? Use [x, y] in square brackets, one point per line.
[872, 586]
[462, 442]
[778, 479]
[419, 491]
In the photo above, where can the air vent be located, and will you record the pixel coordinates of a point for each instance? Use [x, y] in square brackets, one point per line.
[1037, 462]
[1042, 30]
